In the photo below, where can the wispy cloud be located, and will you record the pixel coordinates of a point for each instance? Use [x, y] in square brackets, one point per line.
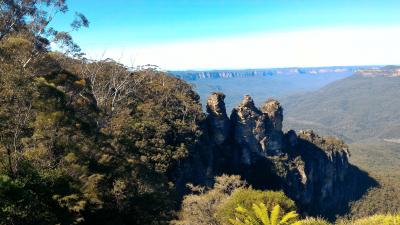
[321, 47]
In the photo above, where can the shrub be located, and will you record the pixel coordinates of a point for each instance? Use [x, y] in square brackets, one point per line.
[263, 216]
[199, 209]
[245, 197]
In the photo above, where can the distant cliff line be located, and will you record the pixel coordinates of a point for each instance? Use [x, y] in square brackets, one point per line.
[204, 74]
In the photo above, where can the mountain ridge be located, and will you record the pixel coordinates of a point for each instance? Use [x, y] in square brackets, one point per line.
[234, 73]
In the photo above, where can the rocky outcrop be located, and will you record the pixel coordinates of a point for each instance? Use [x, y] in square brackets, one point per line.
[318, 167]
[258, 131]
[218, 122]
[309, 168]
[312, 170]
[274, 112]
[249, 131]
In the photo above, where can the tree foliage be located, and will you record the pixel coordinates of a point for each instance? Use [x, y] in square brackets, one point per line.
[34, 17]
[83, 160]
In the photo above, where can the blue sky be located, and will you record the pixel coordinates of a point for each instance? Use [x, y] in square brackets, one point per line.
[134, 26]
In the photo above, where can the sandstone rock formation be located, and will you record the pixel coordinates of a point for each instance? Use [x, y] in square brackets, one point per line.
[274, 112]
[218, 121]
[249, 130]
[311, 169]
[318, 167]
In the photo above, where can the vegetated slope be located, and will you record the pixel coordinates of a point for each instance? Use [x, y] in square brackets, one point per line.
[355, 108]
[363, 110]
[382, 160]
[89, 142]
[377, 156]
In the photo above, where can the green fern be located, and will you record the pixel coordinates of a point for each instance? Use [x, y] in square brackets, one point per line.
[261, 216]
[275, 215]
[260, 211]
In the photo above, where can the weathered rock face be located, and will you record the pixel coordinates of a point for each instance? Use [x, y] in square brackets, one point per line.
[309, 168]
[274, 112]
[218, 122]
[258, 132]
[317, 167]
[249, 130]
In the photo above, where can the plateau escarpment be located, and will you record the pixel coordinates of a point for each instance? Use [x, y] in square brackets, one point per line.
[215, 74]
[312, 170]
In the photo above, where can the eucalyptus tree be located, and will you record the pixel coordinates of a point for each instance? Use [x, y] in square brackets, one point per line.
[35, 17]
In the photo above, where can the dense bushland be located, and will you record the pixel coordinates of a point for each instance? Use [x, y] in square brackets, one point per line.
[85, 142]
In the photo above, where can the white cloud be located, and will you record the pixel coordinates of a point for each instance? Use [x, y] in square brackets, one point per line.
[323, 47]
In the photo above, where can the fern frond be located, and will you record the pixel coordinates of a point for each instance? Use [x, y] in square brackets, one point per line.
[275, 213]
[297, 223]
[250, 221]
[261, 216]
[236, 222]
[262, 213]
[241, 209]
[289, 216]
